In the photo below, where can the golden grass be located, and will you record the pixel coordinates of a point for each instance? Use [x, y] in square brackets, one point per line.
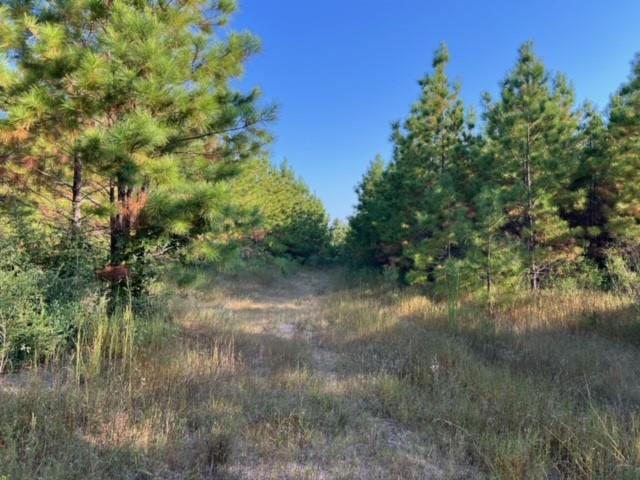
[547, 387]
[314, 377]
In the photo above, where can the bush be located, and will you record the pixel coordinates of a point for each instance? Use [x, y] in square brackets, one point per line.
[623, 270]
[30, 326]
[48, 304]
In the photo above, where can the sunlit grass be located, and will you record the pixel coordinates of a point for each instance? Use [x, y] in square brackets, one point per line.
[366, 381]
[545, 386]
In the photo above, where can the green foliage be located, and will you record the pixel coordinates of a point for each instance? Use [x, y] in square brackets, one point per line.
[33, 325]
[121, 119]
[539, 196]
[624, 126]
[420, 193]
[51, 303]
[120, 134]
[623, 268]
[339, 232]
[593, 192]
[364, 243]
[283, 215]
[531, 139]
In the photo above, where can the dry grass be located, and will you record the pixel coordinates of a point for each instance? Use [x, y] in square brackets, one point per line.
[547, 388]
[309, 376]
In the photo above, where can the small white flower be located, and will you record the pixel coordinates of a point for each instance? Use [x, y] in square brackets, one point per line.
[435, 366]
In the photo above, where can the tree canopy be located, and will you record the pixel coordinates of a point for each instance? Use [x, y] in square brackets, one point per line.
[537, 192]
[120, 116]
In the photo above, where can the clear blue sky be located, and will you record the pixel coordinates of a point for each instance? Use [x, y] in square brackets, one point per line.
[343, 70]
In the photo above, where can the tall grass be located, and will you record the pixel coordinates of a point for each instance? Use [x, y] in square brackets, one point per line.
[367, 381]
[546, 387]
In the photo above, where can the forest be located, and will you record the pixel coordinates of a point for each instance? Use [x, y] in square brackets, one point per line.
[540, 193]
[176, 304]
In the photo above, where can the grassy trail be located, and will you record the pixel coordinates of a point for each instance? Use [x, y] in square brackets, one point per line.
[249, 386]
[313, 376]
[329, 431]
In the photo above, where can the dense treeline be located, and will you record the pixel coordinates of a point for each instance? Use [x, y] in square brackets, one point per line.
[124, 145]
[288, 218]
[270, 213]
[539, 192]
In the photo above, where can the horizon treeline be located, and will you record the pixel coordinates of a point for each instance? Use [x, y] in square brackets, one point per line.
[541, 192]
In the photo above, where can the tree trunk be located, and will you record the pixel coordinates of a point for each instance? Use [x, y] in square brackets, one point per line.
[76, 197]
[120, 222]
[489, 278]
[529, 216]
[119, 225]
[113, 219]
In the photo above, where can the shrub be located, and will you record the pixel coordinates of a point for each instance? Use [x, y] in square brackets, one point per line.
[30, 327]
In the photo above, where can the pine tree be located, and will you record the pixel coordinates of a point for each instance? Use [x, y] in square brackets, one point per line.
[427, 150]
[127, 105]
[593, 187]
[492, 263]
[446, 211]
[363, 241]
[624, 125]
[531, 133]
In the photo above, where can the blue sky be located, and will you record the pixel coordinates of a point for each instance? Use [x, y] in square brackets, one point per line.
[343, 70]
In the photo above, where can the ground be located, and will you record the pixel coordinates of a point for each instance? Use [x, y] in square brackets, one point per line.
[320, 374]
[341, 437]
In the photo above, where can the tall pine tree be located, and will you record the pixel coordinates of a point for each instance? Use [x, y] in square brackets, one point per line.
[624, 125]
[531, 134]
[128, 106]
[421, 203]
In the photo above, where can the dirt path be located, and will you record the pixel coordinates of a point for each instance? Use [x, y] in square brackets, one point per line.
[290, 309]
[291, 312]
